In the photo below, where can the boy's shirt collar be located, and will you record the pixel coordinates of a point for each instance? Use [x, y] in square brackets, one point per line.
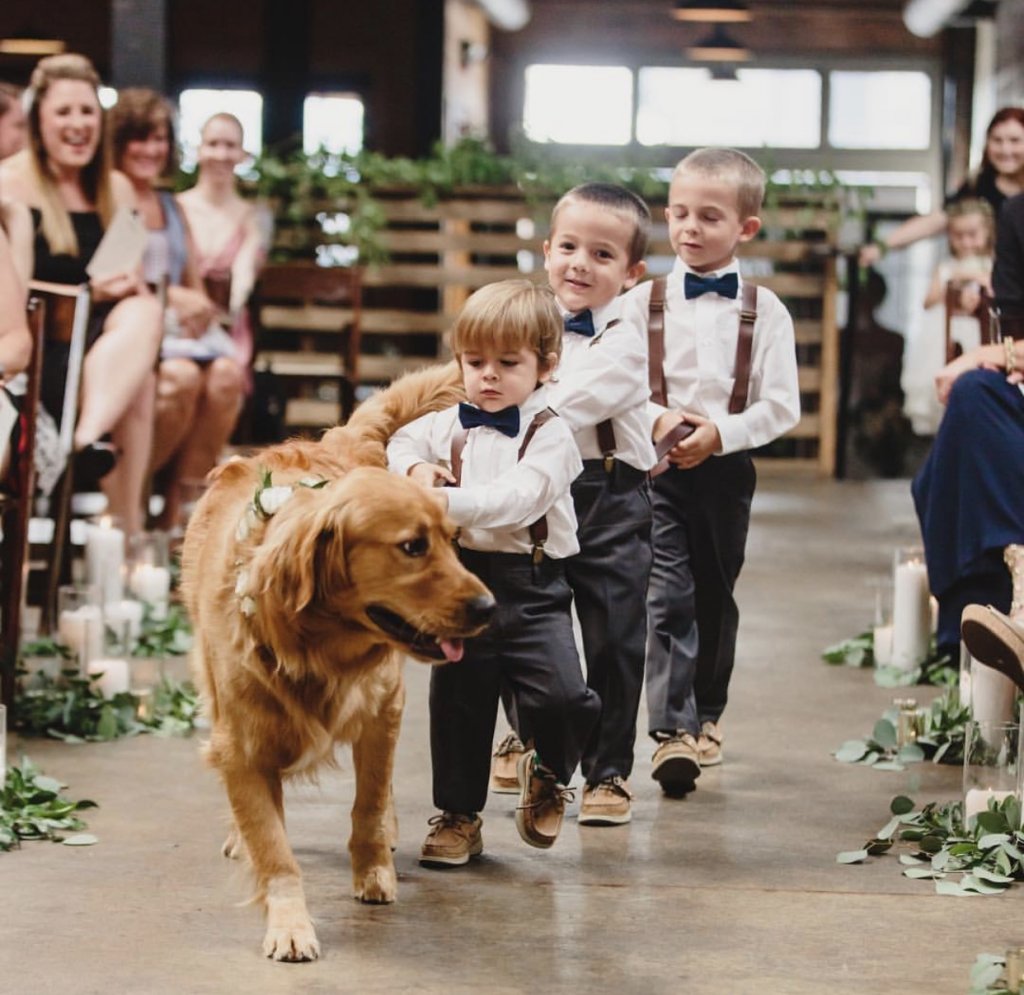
[601, 315]
[680, 269]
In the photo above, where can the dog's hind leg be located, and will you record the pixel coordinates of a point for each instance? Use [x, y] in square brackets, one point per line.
[373, 823]
[257, 803]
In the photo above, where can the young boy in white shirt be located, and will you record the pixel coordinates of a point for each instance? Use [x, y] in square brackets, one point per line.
[512, 461]
[732, 393]
[599, 235]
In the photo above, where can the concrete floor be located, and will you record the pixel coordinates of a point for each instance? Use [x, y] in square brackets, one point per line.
[734, 889]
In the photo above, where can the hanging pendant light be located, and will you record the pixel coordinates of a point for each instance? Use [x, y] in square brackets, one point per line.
[732, 11]
[718, 46]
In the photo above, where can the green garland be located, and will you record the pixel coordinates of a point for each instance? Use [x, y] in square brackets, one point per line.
[31, 808]
[941, 737]
[859, 651]
[988, 976]
[988, 856]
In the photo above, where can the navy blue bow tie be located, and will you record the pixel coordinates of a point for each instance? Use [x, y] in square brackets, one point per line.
[583, 323]
[505, 421]
[727, 285]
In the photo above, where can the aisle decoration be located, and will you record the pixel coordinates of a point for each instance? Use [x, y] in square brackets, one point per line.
[935, 732]
[859, 651]
[998, 974]
[984, 858]
[32, 808]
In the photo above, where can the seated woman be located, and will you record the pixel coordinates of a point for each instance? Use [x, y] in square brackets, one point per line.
[64, 177]
[200, 381]
[15, 348]
[968, 493]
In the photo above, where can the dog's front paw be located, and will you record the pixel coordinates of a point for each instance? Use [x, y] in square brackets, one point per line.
[291, 941]
[233, 847]
[378, 886]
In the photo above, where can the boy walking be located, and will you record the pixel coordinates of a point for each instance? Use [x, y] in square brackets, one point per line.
[599, 235]
[512, 462]
[723, 364]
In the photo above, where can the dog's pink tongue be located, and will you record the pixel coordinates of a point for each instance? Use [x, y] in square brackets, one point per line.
[452, 649]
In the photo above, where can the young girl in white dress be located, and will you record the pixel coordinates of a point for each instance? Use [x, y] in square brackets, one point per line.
[971, 232]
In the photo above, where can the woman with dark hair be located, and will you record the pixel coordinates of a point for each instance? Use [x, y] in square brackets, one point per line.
[65, 178]
[200, 381]
[1000, 175]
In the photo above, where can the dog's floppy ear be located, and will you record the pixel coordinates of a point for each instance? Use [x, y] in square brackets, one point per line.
[302, 555]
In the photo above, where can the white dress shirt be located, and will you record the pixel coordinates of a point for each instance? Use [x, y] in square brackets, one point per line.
[700, 359]
[602, 378]
[501, 496]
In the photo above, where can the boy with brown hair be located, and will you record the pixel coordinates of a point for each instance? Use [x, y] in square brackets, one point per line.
[510, 461]
[724, 381]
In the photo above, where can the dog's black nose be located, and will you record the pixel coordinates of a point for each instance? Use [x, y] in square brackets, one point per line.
[480, 609]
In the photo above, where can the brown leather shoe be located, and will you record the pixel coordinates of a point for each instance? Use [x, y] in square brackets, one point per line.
[709, 745]
[677, 764]
[541, 802]
[452, 840]
[607, 803]
[504, 765]
[995, 640]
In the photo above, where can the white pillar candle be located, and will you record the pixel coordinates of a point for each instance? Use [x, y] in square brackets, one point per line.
[152, 584]
[992, 694]
[976, 800]
[113, 673]
[104, 559]
[3, 745]
[81, 630]
[120, 615]
[883, 645]
[911, 615]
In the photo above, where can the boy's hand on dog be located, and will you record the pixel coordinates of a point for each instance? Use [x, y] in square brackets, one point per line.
[695, 448]
[431, 475]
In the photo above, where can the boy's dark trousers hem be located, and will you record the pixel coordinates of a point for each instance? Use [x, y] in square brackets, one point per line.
[608, 578]
[701, 519]
[529, 647]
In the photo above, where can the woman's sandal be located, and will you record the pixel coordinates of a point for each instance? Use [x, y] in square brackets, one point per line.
[995, 640]
[94, 461]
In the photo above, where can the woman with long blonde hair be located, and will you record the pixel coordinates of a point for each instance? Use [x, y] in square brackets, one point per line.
[64, 176]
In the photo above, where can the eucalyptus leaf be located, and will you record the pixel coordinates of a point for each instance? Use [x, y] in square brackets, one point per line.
[992, 876]
[851, 751]
[931, 844]
[910, 860]
[911, 753]
[81, 839]
[888, 765]
[884, 733]
[901, 805]
[945, 887]
[993, 839]
[852, 857]
[921, 871]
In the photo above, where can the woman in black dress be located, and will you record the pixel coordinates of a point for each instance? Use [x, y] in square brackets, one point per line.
[64, 177]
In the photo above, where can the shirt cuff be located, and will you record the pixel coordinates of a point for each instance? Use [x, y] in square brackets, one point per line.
[460, 506]
[732, 432]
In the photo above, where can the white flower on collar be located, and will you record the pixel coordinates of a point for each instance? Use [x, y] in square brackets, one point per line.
[269, 500]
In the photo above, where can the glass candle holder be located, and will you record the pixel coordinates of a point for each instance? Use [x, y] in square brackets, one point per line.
[149, 572]
[882, 623]
[911, 609]
[909, 721]
[105, 557]
[80, 622]
[992, 694]
[110, 671]
[991, 766]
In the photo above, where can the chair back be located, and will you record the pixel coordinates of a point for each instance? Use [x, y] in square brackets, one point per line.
[310, 303]
[985, 313]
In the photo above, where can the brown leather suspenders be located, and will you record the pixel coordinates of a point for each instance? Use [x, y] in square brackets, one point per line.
[539, 529]
[656, 361]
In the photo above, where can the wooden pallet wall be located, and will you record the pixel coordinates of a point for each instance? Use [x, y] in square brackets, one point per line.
[440, 253]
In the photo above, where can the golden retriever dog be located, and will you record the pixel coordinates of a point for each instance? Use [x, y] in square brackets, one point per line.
[305, 590]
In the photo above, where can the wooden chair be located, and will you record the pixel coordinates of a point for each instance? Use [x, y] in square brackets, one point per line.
[984, 312]
[16, 511]
[294, 307]
[67, 310]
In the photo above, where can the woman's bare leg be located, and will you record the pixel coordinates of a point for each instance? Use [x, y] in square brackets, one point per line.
[116, 366]
[179, 383]
[215, 417]
[133, 435]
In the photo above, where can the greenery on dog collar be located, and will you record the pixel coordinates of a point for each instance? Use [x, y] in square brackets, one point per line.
[988, 856]
[31, 808]
[268, 500]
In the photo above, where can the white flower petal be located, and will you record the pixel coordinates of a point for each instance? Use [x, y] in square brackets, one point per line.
[270, 499]
[248, 606]
[242, 584]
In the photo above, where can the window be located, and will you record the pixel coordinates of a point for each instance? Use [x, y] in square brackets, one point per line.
[580, 105]
[196, 107]
[880, 110]
[686, 107]
[332, 121]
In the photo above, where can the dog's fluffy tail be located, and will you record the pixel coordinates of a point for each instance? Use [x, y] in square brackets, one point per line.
[415, 394]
